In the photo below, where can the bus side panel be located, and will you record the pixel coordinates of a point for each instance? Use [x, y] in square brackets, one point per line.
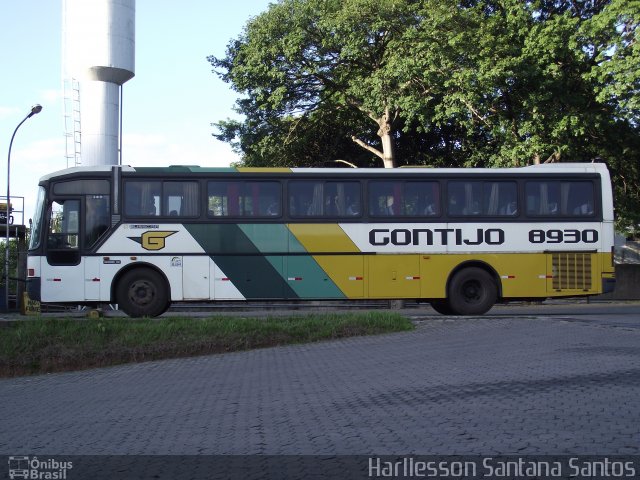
[256, 276]
[519, 275]
[195, 277]
[169, 265]
[340, 265]
[522, 275]
[394, 276]
[92, 278]
[222, 287]
[62, 283]
[308, 280]
[346, 272]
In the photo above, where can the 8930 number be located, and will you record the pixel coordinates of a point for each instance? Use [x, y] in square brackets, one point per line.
[563, 236]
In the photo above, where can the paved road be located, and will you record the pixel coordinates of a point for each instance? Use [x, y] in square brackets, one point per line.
[554, 379]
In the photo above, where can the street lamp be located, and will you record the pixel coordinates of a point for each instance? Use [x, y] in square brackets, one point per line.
[34, 110]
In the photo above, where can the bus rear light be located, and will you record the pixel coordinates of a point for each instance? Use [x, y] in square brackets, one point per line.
[31, 272]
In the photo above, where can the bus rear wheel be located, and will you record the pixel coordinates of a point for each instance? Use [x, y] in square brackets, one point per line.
[472, 291]
[441, 306]
[142, 293]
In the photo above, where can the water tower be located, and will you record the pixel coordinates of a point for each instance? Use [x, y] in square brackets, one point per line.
[98, 52]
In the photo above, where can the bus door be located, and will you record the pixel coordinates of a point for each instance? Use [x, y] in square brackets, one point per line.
[66, 269]
[62, 273]
[94, 227]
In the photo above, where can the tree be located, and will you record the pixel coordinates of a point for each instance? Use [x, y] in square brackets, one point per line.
[443, 83]
[306, 61]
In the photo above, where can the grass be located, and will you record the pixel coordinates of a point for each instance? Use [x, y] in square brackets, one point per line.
[52, 345]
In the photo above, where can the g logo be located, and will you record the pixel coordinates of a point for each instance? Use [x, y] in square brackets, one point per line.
[152, 240]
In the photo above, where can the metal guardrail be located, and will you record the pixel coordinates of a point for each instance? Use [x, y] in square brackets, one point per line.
[627, 253]
[15, 210]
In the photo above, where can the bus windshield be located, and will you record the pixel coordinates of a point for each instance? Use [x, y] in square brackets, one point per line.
[38, 218]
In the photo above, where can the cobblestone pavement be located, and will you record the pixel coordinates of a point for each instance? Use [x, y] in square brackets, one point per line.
[497, 385]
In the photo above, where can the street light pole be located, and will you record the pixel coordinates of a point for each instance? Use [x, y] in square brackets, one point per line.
[34, 110]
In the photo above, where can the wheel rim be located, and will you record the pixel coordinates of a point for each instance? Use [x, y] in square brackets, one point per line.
[141, 292]
[472, 291]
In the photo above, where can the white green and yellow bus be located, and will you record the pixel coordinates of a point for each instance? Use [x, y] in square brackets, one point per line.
[460, 239]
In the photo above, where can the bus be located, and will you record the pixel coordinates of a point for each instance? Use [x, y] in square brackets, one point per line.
[459, 239]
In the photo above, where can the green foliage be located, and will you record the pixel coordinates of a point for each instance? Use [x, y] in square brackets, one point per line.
[471, 83]
[46, 345]
[13, 262]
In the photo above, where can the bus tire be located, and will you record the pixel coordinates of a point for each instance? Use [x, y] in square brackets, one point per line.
[441, 306]
[472, 291]
[142, 293]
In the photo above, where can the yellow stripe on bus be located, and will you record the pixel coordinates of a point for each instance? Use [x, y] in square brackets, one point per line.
[425, 276]
[323, 237]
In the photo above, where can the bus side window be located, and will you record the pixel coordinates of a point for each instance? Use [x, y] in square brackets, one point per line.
[217, 199]
[306, 198]
[268, 194]
[319, 198]
[142, 198]
[581, 198]
[96, 218]
[382, 201]
[500, 198]
[421, 199]
[543, 198]
[181, 199]
[342, 199]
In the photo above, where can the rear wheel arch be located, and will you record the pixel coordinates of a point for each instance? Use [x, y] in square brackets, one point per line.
[473, 288]
[478, 264]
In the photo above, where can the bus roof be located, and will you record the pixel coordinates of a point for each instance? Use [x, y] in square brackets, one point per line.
[543, 168]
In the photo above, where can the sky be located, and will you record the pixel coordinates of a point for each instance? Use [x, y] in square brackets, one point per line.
[168, 107]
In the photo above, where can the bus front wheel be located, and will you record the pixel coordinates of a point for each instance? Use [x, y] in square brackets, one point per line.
[472, 291]
[142, 293]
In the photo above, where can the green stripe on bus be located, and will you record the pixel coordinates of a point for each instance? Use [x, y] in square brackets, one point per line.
[309, 280]
[255, 258]
[303, 274]
[253, 274]
[267, 238]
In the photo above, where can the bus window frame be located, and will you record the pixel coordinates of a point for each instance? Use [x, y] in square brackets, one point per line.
[325, 218]
[400, 200]
[161, 204]
[595, 216]
[242, 183]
